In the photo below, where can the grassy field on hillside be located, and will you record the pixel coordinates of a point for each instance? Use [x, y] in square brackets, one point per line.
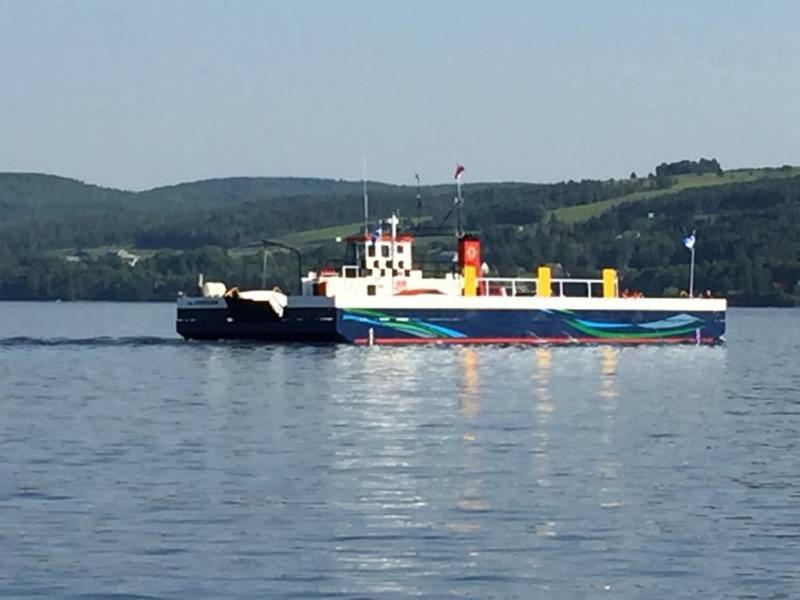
[324, 234]
[329, 234]
[103, 250]
[582, 212]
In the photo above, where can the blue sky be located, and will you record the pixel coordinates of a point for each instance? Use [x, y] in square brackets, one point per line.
[135, 94]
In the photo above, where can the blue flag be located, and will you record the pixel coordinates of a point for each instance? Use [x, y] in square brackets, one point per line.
[688, 241]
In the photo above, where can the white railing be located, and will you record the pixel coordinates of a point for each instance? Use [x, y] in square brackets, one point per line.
[579, 282]
[517, 286]
[506, 286]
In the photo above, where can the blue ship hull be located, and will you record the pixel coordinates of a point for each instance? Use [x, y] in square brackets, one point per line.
[453, 326]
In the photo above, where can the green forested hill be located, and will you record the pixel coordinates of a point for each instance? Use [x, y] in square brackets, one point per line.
[24, 195]
[59, 236]
[231, 191]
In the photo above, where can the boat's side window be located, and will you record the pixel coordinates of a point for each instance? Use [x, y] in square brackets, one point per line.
[399, 249]
[370, 290]
[371, 250]
[385, 251]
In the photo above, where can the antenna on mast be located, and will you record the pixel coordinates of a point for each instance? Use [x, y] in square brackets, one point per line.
[366, 196]
[459, 201]
[419, 199]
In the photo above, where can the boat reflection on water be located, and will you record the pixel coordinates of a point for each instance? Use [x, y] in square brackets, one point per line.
[608, 369]
[469, 498]
[609, 491]
[544, 361]
[544, 408]
[543, 404]
[468, 399]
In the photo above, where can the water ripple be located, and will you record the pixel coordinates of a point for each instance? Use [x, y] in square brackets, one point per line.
[137, 466]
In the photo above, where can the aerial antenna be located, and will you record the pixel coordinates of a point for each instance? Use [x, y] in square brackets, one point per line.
[459, 201]
[419, 200]
[366, 196]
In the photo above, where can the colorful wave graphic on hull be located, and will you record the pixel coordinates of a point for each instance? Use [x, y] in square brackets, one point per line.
[413, 327]
[677, 325]
[680, 325]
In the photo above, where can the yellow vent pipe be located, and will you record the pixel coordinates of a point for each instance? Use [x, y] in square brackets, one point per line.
[543, 288]
[470, 281]
[609, 283]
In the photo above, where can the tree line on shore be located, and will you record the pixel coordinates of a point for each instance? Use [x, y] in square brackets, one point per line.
[747, 243]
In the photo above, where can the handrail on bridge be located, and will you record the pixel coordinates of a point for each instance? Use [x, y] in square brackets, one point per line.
[528, 286]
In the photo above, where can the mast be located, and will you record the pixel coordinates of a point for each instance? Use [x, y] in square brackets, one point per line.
[691, 270]
[419, 200]
[689, 242]
[394, 222]
[366, 196]
[264, 268]
[459, 201]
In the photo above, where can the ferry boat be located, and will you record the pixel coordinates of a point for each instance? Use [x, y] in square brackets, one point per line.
[380, 297]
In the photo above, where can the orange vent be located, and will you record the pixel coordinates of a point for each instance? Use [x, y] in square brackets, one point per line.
[469, 253]
[469, 260]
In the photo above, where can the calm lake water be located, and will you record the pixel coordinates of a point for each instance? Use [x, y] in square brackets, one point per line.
[136, 465]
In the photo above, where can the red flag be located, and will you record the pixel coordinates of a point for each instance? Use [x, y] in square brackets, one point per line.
[459, 170]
